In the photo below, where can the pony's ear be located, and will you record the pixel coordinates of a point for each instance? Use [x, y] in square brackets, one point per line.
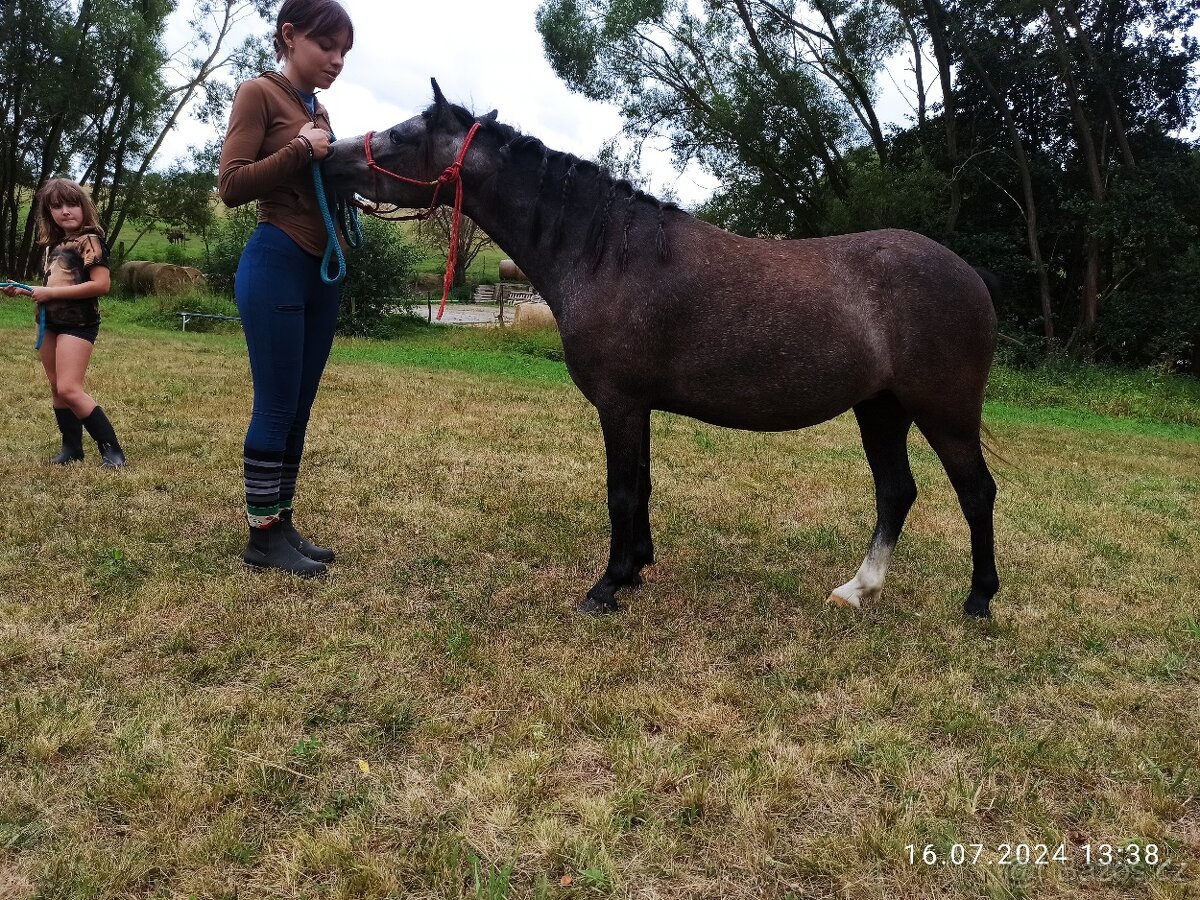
[489, 117]
[439, 99]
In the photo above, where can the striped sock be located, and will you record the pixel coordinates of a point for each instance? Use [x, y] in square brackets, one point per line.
[288, 473]
[262, 470]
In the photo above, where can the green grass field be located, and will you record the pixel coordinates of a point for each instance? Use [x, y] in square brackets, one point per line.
[435, 720]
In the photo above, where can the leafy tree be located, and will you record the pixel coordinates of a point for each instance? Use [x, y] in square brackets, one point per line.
[1081, 90]
[180, 197]
[1053, 157]
[747, 89]
[201, 75]
[91, 88]
[433, 235]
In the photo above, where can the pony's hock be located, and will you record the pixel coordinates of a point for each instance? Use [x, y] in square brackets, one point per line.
[653, 312]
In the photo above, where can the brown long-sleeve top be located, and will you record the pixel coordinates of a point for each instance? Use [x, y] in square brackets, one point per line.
[263, 159]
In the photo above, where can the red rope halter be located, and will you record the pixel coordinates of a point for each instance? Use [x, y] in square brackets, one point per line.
[453, 174]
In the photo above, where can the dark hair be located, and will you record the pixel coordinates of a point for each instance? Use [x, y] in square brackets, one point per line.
[61, 192]
[313, 18]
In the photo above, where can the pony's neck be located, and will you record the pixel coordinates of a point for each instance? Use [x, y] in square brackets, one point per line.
[508, 221]
[520, 222]
[569, 218]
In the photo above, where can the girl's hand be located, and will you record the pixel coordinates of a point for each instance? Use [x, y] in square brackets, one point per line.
[13, 291]
[319, 138]
[41, 294]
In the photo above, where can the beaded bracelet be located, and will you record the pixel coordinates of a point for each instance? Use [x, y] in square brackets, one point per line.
[307, 144]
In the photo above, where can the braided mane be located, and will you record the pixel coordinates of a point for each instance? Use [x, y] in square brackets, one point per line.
[582, 185]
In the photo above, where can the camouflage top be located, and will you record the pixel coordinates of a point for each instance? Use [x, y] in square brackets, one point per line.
[68, 263]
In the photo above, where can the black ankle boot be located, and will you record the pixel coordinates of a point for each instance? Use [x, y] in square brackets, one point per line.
[101, 430]
[301, 543]
[72, 437]
[269, 549]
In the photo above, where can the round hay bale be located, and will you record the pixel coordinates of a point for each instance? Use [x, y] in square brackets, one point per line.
[533, 317]
[142, 278]
[170, 279]
[128, 274]
[510, 271]
[195, 276]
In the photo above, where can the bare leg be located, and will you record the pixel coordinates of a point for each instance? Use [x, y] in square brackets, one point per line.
[48, 353]
[71, 358]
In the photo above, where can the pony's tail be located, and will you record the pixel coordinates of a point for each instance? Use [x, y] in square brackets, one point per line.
[991, 282]
[989, 442]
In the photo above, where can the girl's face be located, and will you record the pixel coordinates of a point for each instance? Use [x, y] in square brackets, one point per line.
[314, 62]
[67, 216]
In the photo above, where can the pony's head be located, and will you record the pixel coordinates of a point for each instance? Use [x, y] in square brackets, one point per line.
[418, 149]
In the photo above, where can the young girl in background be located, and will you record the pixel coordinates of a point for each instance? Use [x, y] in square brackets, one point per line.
[76, 273]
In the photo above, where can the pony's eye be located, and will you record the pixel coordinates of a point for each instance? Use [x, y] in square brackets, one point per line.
[395, 136]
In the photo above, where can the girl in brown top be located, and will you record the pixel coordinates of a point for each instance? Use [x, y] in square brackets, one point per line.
[77, 276]
[277, 129]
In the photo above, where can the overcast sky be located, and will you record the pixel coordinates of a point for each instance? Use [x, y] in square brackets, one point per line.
[485, 54]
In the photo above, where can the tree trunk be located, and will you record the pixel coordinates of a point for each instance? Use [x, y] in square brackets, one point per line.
[52, 147]
[204, 71]
[1022, 161]
[1089, 301]
[936, 18]
[914, 41]
[1116, 120]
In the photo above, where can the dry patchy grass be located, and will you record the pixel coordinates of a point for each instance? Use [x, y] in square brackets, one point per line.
[174, 726]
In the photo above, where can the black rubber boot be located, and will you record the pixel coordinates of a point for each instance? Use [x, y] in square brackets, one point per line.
[72, 437]
[101, 430]
[300, 542]
[269, 549]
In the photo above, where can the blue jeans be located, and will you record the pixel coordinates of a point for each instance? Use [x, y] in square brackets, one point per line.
[289, 315]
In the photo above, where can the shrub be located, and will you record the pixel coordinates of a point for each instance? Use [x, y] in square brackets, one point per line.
[229, 238]
[177, 255]
[376, 289]
[1157, 320]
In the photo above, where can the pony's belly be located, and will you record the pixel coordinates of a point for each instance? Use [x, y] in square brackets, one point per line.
[757, 416]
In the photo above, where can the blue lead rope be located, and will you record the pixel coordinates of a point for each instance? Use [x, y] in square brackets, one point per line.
[347, 219]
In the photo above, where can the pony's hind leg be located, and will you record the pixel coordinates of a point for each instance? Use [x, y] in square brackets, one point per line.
[884, 425]
[962, 456]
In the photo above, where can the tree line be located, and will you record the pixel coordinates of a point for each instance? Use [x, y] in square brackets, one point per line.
[1047, 140]
[91, 87]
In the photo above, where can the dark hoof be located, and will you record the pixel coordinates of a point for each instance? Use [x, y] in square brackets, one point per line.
[977, 609]
[594, 607]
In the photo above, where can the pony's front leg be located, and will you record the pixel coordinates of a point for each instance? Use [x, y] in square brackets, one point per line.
[623, 439]
[643, 540]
